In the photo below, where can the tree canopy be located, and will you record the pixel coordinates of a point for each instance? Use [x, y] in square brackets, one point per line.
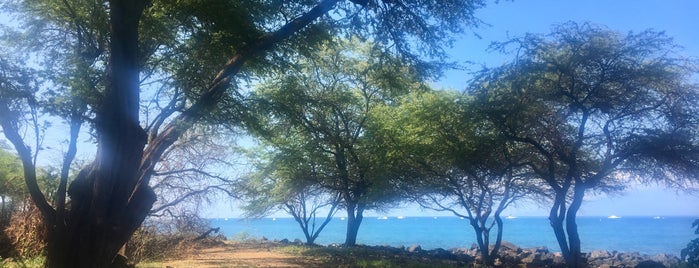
[595, 108]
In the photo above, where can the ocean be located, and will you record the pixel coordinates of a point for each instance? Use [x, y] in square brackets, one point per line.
[646, 235]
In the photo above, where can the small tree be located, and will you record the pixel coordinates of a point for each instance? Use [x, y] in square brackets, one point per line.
[289, 182]
[324, 107]
[450, 159]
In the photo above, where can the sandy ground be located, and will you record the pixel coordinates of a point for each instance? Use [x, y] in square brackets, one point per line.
[239, 255]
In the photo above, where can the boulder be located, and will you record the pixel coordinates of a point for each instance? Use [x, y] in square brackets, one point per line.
[530, 259]
[505, 245]
[414, 248]
[542, 249]
[441, 253]
[599, 254]
[558, 259]
[667, 260]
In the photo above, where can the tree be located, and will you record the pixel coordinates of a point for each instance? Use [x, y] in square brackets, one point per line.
[289, 181]
[691, 252]
[197, 50]
[11, 185]
[325, 104]
[450, 159]
[594, 108]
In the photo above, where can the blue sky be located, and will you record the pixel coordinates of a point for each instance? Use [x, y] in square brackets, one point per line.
[507, 19]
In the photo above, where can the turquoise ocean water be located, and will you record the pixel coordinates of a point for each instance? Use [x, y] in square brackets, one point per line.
[646, 235]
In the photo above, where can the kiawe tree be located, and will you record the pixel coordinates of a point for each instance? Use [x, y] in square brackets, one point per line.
[324, 105]
[196, 49]
[286, 178]
[448, 158]
[595, 108]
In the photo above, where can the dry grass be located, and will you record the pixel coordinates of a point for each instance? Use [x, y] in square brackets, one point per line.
[270, 254]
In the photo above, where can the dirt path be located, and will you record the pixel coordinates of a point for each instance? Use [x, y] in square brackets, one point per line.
[238, 255]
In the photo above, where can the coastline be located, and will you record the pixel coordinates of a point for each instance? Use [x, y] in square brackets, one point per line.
[627, 234]
[285, 253]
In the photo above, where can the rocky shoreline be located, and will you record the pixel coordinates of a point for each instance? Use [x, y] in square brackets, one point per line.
[511, 255]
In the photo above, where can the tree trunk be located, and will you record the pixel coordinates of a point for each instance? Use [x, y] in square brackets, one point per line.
[355, 215]
[498, 239]
[575, 258]
[556, 219]
[107, 202]
[328, 218]
[482, 247]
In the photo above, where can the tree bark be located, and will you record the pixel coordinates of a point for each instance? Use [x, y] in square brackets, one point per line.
[355, 215]
[105, 210]
[556, 218]
[575, 258]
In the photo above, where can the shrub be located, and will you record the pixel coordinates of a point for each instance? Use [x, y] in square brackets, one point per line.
[163, 239]
[27, 233]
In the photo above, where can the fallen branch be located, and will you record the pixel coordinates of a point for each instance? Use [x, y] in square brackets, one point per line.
[205, 234]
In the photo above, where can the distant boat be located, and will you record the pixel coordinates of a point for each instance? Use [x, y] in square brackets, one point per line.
[342, 218]
[509, 217]
[657, 218]
[400, 217]
[613, 217]
[383, 218]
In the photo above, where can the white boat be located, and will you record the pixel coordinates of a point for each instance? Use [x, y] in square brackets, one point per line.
[657, 218]
[400, 217]
[383, 218]
[509, 217]
[613, 217]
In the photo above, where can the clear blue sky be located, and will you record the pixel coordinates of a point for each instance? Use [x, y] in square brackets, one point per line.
[507, 19]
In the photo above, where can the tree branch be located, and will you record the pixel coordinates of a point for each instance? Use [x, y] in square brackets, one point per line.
[209, 99]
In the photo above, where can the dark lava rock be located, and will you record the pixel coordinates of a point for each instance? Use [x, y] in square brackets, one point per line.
[650, 264]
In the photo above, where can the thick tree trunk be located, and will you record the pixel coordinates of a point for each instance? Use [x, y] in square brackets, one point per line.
[107, 202]
[355, 215]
